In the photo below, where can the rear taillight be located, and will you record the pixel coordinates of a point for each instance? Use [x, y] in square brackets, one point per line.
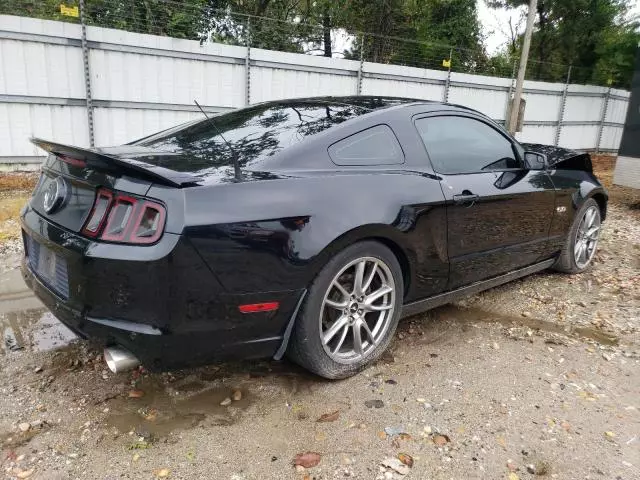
[122, 218]
[98, 213]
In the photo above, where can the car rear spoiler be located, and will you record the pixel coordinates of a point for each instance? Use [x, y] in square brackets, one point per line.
[98, 160]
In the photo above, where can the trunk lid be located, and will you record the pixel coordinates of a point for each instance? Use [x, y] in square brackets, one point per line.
[71, 176]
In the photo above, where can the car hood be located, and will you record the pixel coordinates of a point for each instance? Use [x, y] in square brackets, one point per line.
[562, 158]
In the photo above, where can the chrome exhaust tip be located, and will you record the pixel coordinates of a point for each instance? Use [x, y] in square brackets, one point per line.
[119, 360]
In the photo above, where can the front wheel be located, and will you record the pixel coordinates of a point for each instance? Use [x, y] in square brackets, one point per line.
[582, 241]
[351, 312]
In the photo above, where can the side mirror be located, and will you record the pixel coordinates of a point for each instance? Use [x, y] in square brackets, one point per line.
[536, 161]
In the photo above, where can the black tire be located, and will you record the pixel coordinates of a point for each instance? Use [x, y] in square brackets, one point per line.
[566, 262]
[306, 348]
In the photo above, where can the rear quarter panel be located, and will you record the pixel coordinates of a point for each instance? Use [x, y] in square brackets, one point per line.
[276, 235]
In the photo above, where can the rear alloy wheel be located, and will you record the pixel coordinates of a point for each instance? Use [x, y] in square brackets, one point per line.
[582, 240]
[351, 312]
[357, 310]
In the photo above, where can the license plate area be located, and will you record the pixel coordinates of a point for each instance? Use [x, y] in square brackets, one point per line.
[48, 266]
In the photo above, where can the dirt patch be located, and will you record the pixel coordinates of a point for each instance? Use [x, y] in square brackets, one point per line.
[524, 381]
[18, 181]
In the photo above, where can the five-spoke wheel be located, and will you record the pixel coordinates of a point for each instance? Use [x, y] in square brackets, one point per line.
[582, 239]
[586, 239]
[350, 313]
[357, 309]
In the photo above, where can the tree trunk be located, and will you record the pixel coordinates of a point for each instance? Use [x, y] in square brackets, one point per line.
[326, 33]
[542, 40]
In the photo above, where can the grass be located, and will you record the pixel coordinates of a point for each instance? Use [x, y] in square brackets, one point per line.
[11, 182]
[10, 206]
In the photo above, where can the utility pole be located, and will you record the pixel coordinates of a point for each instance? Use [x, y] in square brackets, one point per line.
[524, 57]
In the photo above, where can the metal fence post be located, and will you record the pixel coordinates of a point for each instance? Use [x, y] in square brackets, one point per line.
[361, 67]
[561, 110]
[603, 117]
[247, 66]
[448, 82]
[87, 74]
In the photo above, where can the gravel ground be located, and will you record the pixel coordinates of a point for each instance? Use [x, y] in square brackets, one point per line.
[536, 379]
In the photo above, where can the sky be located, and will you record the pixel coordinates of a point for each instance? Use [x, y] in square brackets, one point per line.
[495, 23]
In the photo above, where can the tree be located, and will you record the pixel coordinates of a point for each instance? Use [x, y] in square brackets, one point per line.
[591, 35]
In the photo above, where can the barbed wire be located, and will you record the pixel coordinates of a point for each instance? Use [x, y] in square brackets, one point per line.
[207, 24]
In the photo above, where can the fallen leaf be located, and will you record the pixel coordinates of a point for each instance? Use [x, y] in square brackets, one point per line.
[440, 440]
[25, 473]
[382, 435]
[136, 457]
[396, 465]
[191, 456]
[404, 436]
[237, 395]
[609, 435]
[406, 459]
[162, 473]
[307, 459]
[329, 417]
[136, 394]
[513, 476]
[150, 414]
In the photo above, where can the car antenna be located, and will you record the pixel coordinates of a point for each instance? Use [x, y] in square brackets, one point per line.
[236, 166]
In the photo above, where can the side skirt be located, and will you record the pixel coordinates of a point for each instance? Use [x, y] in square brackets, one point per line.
[448, 297]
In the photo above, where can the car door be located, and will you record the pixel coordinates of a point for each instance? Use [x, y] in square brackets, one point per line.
[499, 211]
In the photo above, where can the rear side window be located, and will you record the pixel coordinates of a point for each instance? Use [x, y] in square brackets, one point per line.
[254, 133]
[374, 146]
[465, 145]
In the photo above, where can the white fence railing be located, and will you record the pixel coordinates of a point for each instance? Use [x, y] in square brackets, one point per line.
[143, 83]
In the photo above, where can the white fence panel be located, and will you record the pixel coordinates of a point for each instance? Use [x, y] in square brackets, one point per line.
[399, 81]
[122, 125]
[486, 94]
[38, 69]
[19, 122]
[611, 138]
[144, 83]
[617, 110]
[537, 134]
[579, 137]
[543, 101]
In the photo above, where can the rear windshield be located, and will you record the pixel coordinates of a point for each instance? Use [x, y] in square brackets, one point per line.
[254, 133]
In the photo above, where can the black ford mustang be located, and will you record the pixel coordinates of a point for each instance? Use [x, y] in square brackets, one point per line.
[306, 227]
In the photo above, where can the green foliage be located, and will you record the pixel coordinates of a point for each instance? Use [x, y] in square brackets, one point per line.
[591, 35]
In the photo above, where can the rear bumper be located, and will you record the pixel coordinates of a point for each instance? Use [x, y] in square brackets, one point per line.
[160, 302]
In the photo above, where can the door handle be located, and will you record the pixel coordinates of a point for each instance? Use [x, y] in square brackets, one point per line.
[465, 197]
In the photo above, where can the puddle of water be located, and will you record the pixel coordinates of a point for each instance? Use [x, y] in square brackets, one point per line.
[35, 330]
[477, 315]
[160, 411]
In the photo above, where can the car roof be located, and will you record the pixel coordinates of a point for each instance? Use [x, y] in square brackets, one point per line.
[368, 102]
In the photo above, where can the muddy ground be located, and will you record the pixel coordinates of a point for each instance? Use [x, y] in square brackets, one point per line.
[536, 379]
